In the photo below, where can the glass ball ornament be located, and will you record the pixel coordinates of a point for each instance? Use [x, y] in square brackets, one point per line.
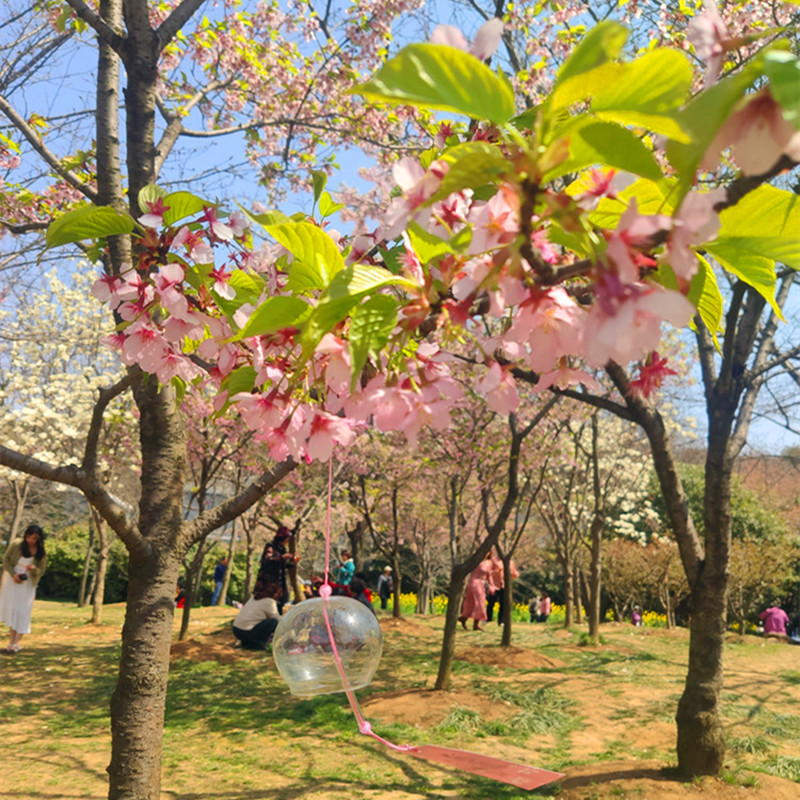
[303, 653]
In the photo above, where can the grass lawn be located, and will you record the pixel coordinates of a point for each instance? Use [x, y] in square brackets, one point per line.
[603, 716]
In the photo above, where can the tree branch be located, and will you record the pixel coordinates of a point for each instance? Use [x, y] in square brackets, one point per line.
[50, 158]
[104, 32]
[70, 475]
[194, 530]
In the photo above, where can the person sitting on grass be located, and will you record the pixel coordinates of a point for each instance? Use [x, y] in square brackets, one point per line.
[255, 623]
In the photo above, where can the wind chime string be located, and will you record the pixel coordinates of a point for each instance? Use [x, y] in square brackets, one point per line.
[325, 591]
[488, 766]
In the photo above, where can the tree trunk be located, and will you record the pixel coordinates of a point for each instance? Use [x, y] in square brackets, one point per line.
[701, 738]
[227, 579]
[101, 568]
[137, 705]
[139, 699]
[87, 562]
[508, 603]
[397, 585]
[455, 594]
[566, 567]
[576, 594]
[595, 579]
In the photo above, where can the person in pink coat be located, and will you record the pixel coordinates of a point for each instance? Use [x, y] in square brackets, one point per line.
[474, 606]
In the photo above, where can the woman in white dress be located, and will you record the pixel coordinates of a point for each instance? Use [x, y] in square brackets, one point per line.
[23, 565]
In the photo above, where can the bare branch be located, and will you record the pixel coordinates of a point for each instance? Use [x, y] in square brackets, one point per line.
[106, 34]
[196, 529]
[50, 158]
[70, 475]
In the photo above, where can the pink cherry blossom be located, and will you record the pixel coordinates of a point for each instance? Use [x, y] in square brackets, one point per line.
[259, 411]
[155, 216]
[326, 430]
[565, 376]
[634, 327]
[499, 388]
[695, 223]
[709, 35]
[758, 135]
[487, 39]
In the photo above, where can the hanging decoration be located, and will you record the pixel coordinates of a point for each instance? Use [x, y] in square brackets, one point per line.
[334, 644]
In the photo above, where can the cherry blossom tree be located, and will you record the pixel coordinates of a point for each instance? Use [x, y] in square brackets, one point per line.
[575, 227]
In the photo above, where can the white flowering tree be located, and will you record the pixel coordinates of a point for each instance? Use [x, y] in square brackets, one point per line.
[54, 374]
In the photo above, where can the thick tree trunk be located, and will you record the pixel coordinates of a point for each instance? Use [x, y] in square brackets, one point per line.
[137, 705]
[701, 738]
[138, 702]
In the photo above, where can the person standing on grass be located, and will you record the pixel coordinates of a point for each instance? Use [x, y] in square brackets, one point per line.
[346, 569]
[23, 565]
[544, 607]
[219, 578]
[385, 586]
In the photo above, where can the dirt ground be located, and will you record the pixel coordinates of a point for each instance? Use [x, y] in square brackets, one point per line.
[604, 716]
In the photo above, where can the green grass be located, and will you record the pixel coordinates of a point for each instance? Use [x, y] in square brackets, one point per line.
[234, 730]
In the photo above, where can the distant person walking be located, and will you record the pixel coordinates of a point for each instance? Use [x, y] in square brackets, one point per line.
[474, 606]
[23, 565]
[219, 579]
[775, 621]
[385, 586]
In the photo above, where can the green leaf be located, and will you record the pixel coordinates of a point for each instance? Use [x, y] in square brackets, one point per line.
[601, 44]
[607, 144]
[316, 257]
[427, 245]
[242, 379]
[275, 314]
[441, 78]
[266, 219]
[582, 87]
[648, 92]
[319, 180]
[327, 206]
[247, 285]
[705, 295]
[651, 198]
[348, 288]
[765, 222]
[181, 205]
[472, 164]
[783, 71]
[150, 194]
[88, 222]
[370, 326]
[752, 268]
